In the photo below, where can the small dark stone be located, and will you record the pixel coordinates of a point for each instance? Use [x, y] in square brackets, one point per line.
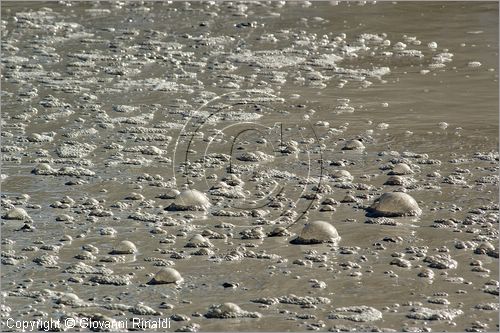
[27, 228]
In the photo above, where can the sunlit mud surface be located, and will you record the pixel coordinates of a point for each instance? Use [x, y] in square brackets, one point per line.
[164, 160]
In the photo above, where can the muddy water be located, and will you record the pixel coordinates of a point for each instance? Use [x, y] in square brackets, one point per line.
[204, 79]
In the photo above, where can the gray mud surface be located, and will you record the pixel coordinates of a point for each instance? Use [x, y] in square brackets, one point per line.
[203, 137]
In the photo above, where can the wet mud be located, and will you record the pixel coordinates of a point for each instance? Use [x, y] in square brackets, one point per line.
[260, 166]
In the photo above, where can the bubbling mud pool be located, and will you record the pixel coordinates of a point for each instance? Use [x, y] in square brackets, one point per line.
[257, 166]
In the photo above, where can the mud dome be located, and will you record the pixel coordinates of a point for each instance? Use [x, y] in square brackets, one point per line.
[394, 204]
[317, 232]
[165, 276]
[160, 160]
